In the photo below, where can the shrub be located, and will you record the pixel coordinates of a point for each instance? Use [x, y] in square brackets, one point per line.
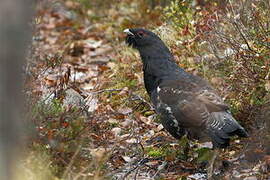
[230, 47]
[240, 43]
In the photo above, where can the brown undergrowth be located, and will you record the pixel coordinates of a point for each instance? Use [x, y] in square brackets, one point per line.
[109, 129]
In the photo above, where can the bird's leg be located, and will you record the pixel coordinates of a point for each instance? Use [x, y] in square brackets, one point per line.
[210, 168]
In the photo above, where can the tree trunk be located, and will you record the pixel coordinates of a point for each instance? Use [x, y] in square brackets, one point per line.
[14, 33]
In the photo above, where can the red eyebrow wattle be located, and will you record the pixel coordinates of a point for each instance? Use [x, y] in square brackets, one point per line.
[142, 32]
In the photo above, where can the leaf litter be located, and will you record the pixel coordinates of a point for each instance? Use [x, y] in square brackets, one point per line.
[130, 144]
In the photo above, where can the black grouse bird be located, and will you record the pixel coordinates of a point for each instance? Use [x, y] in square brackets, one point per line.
[186, 103]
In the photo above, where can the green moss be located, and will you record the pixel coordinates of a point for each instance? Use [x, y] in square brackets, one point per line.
[155, 152]
[170, 152]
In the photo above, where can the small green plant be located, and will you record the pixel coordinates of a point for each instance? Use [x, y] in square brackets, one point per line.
[179, 13]
[155, 152]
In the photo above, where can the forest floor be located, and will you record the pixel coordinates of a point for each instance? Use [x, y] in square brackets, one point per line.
[93, 119]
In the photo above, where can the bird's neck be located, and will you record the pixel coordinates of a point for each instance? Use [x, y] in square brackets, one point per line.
[158, 66]
[155, 71]
[155, 51]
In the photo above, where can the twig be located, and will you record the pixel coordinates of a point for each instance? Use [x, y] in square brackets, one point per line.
[243, 36]
[46, 98]
[71, 162]
[160, 168]
[136, 174]
[106, 90]
[238, 29]
[141, 162]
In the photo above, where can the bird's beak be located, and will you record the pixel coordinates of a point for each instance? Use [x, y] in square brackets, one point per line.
[128, 32]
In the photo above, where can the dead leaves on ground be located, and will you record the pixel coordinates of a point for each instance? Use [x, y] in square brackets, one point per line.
[72, 58]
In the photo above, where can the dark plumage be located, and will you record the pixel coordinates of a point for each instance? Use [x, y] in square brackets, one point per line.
[186, 103]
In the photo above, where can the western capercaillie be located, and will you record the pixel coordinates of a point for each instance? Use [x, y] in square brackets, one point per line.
[186, 103]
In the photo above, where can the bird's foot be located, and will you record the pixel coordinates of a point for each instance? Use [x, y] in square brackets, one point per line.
[210, 169]
[210, 172]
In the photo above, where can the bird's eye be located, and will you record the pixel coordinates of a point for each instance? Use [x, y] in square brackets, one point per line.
[141, 33]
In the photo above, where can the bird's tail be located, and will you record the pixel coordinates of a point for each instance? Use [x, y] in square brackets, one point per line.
[221, 126]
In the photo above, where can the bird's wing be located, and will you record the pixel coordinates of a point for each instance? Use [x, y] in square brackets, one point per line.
[211, 100]
[189, 103]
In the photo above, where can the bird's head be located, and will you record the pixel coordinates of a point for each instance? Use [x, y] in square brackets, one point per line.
[148, 43]
[141, 38]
